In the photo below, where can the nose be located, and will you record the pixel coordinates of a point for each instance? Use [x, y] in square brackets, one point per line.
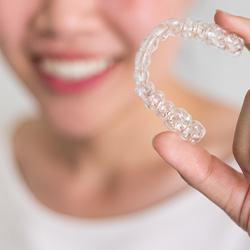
[66, 17]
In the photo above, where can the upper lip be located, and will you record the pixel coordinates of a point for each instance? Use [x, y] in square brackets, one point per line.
[64, 56]
[38, 48]
[68, 53]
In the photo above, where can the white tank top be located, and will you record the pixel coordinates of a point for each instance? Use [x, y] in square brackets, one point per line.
[189, 221]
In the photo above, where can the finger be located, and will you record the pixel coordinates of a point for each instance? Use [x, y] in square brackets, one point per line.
[234, 24]
[241, 145]
[215, 179]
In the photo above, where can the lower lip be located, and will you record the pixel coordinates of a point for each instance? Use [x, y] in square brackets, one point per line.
[73, 86]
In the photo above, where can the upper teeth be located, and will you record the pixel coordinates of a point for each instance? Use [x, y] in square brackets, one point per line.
[74, 70]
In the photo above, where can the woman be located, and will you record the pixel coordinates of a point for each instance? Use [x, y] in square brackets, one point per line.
[82, 173]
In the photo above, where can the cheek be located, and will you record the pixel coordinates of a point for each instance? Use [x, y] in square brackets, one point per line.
[14, 20]
[136, 18]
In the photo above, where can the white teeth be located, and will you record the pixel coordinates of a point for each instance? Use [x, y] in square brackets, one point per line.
[74, 70]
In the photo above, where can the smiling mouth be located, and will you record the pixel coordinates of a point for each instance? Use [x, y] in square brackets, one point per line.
[72, 74]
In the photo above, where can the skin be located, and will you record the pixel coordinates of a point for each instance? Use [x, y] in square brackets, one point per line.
[78, 163]
[226, 187]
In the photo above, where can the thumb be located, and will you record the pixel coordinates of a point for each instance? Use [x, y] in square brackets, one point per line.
[215, 179]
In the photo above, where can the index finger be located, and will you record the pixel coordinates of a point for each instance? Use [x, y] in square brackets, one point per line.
[235, 24]
[241, 145]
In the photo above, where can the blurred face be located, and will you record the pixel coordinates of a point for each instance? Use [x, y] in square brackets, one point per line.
[76, 56]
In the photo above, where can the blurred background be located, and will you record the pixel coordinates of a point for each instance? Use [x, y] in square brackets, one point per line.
[209, 70]
[204, 69]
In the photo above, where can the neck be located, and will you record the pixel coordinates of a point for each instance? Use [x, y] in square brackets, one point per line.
[130, 134]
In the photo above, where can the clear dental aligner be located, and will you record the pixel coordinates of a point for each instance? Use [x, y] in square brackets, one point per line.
[177, 119]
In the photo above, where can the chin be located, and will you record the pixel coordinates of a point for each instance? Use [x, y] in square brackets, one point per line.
[75, 122]
[73, 128]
